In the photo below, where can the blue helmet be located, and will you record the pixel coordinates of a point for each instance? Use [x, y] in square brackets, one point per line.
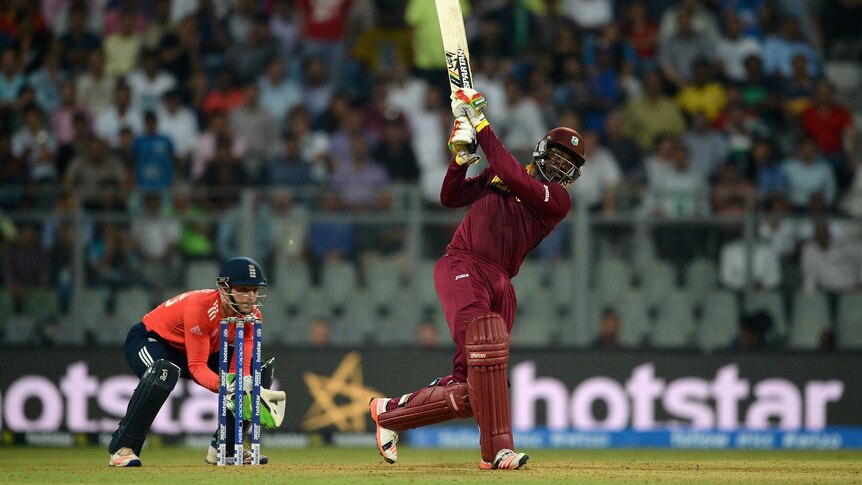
[241, 271]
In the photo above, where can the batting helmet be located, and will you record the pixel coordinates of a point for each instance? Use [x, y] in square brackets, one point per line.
[563, 169]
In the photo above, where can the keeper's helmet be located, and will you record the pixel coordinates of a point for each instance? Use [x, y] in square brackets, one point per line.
[241, 271]
[559, 156]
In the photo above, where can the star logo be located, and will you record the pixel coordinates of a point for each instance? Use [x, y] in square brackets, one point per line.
[340, 400]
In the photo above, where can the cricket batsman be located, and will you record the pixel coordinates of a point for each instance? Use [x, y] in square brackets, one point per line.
[512, 209]
[180, 338]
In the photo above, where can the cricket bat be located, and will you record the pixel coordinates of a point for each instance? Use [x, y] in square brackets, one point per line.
[457, 56]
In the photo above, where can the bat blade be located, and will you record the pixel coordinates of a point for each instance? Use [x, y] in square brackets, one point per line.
[454, 43]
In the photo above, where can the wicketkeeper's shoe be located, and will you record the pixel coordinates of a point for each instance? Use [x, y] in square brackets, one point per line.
[124, 457]
[506, 459]
[386, 438]
[212, 457]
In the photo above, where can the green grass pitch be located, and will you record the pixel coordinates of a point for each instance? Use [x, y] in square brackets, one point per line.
[338, 465]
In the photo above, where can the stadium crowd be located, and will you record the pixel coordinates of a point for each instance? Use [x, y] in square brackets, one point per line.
[155, 113]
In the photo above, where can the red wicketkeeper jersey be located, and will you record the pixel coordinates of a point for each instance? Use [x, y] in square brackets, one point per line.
[510, 210]
[189, 322]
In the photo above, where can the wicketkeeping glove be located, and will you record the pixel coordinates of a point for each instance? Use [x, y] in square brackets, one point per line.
[462, 142]
[272, 403]
[470, 103]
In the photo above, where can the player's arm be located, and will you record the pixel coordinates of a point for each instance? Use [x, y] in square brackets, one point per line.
[198, 350]
[545, 198]
[458, 190]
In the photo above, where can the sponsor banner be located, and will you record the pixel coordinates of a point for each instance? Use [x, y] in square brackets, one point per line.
[86, 391]
[458, 437]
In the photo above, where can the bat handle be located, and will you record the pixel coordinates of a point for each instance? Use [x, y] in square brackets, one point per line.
[467, 153]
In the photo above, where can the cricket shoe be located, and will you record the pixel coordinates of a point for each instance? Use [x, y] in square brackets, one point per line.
[386, 438]
[506, 459]
[124, 457]
[212, 457]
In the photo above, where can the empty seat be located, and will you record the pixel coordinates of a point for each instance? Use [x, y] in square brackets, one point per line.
[422, 281]
[849, 329]
[657, 282]
[69, 331]
[91, 308]
[201, 274]
[19, 330]
[810, 318]
[701, 278]
[674, 325]
[41, 303]
[581, 332]
[291, 281]
[529, 280]
[383, 281]
[719, 321]
[613, 275]
[130, 306]
[562, 281]
[338, 280]
[357, 321]
[632, 308]
[537, 322]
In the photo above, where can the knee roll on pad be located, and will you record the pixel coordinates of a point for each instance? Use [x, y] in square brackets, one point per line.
[487, 349]
[156, 385]
[431, 405]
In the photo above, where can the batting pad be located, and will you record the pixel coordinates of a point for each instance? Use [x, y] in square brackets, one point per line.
[431, 405]
[487, 349]
[152, 392]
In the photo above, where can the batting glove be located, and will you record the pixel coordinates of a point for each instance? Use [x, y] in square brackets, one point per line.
[470, 103]
[462, 142]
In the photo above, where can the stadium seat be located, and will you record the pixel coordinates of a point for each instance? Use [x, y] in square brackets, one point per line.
[771, 302]
[719, 321]
[537, 321]
[632, 308]
[701, 278]
[849, 329]
[613, 276]
[69, 331]
[529, 279]
[674, 325]
[41, 303]
[810, 317]
[355, 325]
[562, 281]
[291, 281]
[201, 274]
[339, 280]
[422, 281]
[129, 307]
[658, 280]
[19, 330]
[383, 280]
[581, 333]
[91, 308]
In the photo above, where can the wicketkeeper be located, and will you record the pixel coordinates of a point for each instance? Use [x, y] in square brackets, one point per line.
[511, 210]
[180, 338]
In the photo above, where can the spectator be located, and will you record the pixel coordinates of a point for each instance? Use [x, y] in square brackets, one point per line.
[225, 97]
[808, 174]
[831, 126]
[678, 52]
[651, 114]
[113, 261]
[156, 236]
[121, 113]
[148, 83]
[290, 226]
[250, 55]
[624, 149]
[734, 271]
[420, 15]
[205, 147]
[609, 331]
[278, 93]
[735, 47]
[35, 144]
[331, 240]
[779, 229]
[590, 15]
[284, 25]
[313, 145]
[92, 171]
[79, 41]
[154, 157]
[519, 121]
[317, 88]
[324, 33]
[256, 127]
[361, 183]
[701, 20]
[732, 193]
[25, 264]
[95, 88]
[11, 77]
[798, 91]
[223, 171]
[122, 47]
[47, 81]
[13, 176]
[704, 94]
[394, 151]
[707, 146]
[599, 190]
[196, 232]
[830, 266]
[232, 228]
[427, 335]
[385, 48]
[754, 331]
[641, 32]
[183, 49]
[780, 48]
[289, 168]
[320, 333]
[180, 125]
[158, 26]
[769, 173]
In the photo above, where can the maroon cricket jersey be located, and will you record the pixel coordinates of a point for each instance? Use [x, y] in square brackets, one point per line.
[511, 211]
